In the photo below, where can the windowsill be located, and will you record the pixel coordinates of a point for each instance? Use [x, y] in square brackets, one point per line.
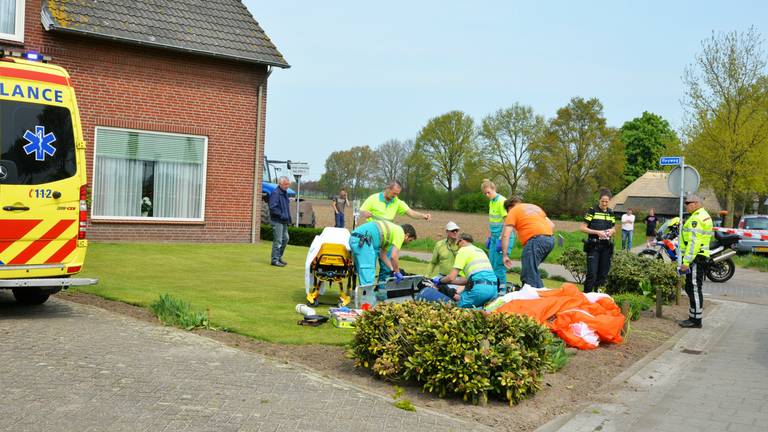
[5, 41]
[148, 221]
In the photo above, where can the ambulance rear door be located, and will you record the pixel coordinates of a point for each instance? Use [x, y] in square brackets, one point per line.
[39, 189]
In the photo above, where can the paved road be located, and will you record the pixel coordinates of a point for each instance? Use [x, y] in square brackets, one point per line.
[711, 379]
[71, 367]
[745, 285]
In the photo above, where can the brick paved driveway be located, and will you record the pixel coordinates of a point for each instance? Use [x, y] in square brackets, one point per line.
[71, 367]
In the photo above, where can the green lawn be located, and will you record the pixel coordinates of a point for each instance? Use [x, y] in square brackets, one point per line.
[753, 261]
[234, 282]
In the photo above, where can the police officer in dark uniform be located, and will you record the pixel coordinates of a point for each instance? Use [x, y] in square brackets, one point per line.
[599, 223]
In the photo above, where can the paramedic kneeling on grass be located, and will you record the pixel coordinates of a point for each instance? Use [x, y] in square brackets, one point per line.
[473, 269]
[534, 229]
[372, 240]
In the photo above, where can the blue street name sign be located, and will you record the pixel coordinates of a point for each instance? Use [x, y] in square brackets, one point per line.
[670, 160]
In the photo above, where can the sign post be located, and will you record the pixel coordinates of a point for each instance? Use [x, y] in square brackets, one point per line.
[298, 169]
[682, 180]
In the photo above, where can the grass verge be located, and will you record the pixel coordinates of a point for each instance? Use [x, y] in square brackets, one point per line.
[753, 261]
[234, 283]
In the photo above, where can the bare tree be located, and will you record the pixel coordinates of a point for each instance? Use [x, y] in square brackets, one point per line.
[390, 158]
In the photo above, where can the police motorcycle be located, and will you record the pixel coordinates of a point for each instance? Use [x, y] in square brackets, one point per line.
[721, 249]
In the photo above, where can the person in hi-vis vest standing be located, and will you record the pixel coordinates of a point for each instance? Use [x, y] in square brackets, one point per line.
[496, 215]
[695, 237]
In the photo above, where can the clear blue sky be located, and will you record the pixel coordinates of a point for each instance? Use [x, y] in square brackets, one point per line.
[362, 73]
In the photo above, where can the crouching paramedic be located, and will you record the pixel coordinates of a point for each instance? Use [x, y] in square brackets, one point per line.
[371, 241]
[473, 269]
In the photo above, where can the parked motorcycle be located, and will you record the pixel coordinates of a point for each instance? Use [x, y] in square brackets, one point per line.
[721, 249]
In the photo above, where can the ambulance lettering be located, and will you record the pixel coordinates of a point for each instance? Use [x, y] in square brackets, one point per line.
[32, 92]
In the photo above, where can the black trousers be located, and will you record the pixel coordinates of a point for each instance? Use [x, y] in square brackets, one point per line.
[699, 266]
[599, 256]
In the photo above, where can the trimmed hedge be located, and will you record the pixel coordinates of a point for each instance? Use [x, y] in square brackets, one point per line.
[453, 351]
[296, 236]
[575, 261]
[632, 274]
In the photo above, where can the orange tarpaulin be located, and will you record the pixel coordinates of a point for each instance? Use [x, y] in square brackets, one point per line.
[567, 311]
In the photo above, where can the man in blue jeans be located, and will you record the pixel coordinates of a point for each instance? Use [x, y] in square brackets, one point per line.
[534, 229]
[338, 204]
[279, 218]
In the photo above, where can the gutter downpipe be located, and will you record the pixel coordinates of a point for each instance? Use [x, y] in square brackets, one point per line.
[256, 219]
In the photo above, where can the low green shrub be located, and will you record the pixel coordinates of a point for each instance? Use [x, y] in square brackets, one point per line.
[543, 273]
[515, 269]
[637, 303]
[558, 355]
[448, 350]
[472, 202]
[297, 236]
[575, 261]
[177, 312]
[557, 278]
[629, 274]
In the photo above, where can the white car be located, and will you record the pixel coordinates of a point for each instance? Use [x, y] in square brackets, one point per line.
[754, 245]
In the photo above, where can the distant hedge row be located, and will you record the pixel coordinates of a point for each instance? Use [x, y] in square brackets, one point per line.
[296, 236]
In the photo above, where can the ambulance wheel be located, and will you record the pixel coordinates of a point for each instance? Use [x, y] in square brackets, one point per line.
[30, 296]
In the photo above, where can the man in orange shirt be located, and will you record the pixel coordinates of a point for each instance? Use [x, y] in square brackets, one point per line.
[534, 229]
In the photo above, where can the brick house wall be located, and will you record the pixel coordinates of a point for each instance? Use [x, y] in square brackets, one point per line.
[135, 87]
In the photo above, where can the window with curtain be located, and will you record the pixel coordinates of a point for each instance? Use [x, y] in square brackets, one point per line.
[12, 20]
[139, 174]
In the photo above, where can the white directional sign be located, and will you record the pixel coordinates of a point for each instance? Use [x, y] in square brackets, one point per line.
[669, 160]
[299, 169]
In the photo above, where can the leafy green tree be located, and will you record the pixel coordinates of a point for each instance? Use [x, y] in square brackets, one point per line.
[508, 135]
[645, 139]
[576, 154]
[727, 106]
[352, 169]
[446, 141]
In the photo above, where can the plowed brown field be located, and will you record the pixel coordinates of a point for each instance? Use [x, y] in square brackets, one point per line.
[473, 223]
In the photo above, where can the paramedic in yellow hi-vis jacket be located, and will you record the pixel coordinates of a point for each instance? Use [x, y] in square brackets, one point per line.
[695, 237]
[373, 239]
[472, 268]
[496, 215]
[385, 206]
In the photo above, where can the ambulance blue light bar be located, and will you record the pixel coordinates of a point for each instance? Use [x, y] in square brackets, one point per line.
[33, 56]
[29, 55]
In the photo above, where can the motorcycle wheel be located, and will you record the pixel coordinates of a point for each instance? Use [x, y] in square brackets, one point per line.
[721, 271]
[650, 253]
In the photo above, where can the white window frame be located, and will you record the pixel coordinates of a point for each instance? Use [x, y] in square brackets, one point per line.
[151, 218]
[18, 36]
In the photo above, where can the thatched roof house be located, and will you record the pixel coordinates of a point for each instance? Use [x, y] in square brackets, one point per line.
[650, 191]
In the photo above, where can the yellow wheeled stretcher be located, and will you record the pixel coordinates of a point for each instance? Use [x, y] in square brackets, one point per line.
[330, 262]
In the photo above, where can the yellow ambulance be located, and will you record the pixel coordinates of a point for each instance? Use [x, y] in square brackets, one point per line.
[43, 189]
